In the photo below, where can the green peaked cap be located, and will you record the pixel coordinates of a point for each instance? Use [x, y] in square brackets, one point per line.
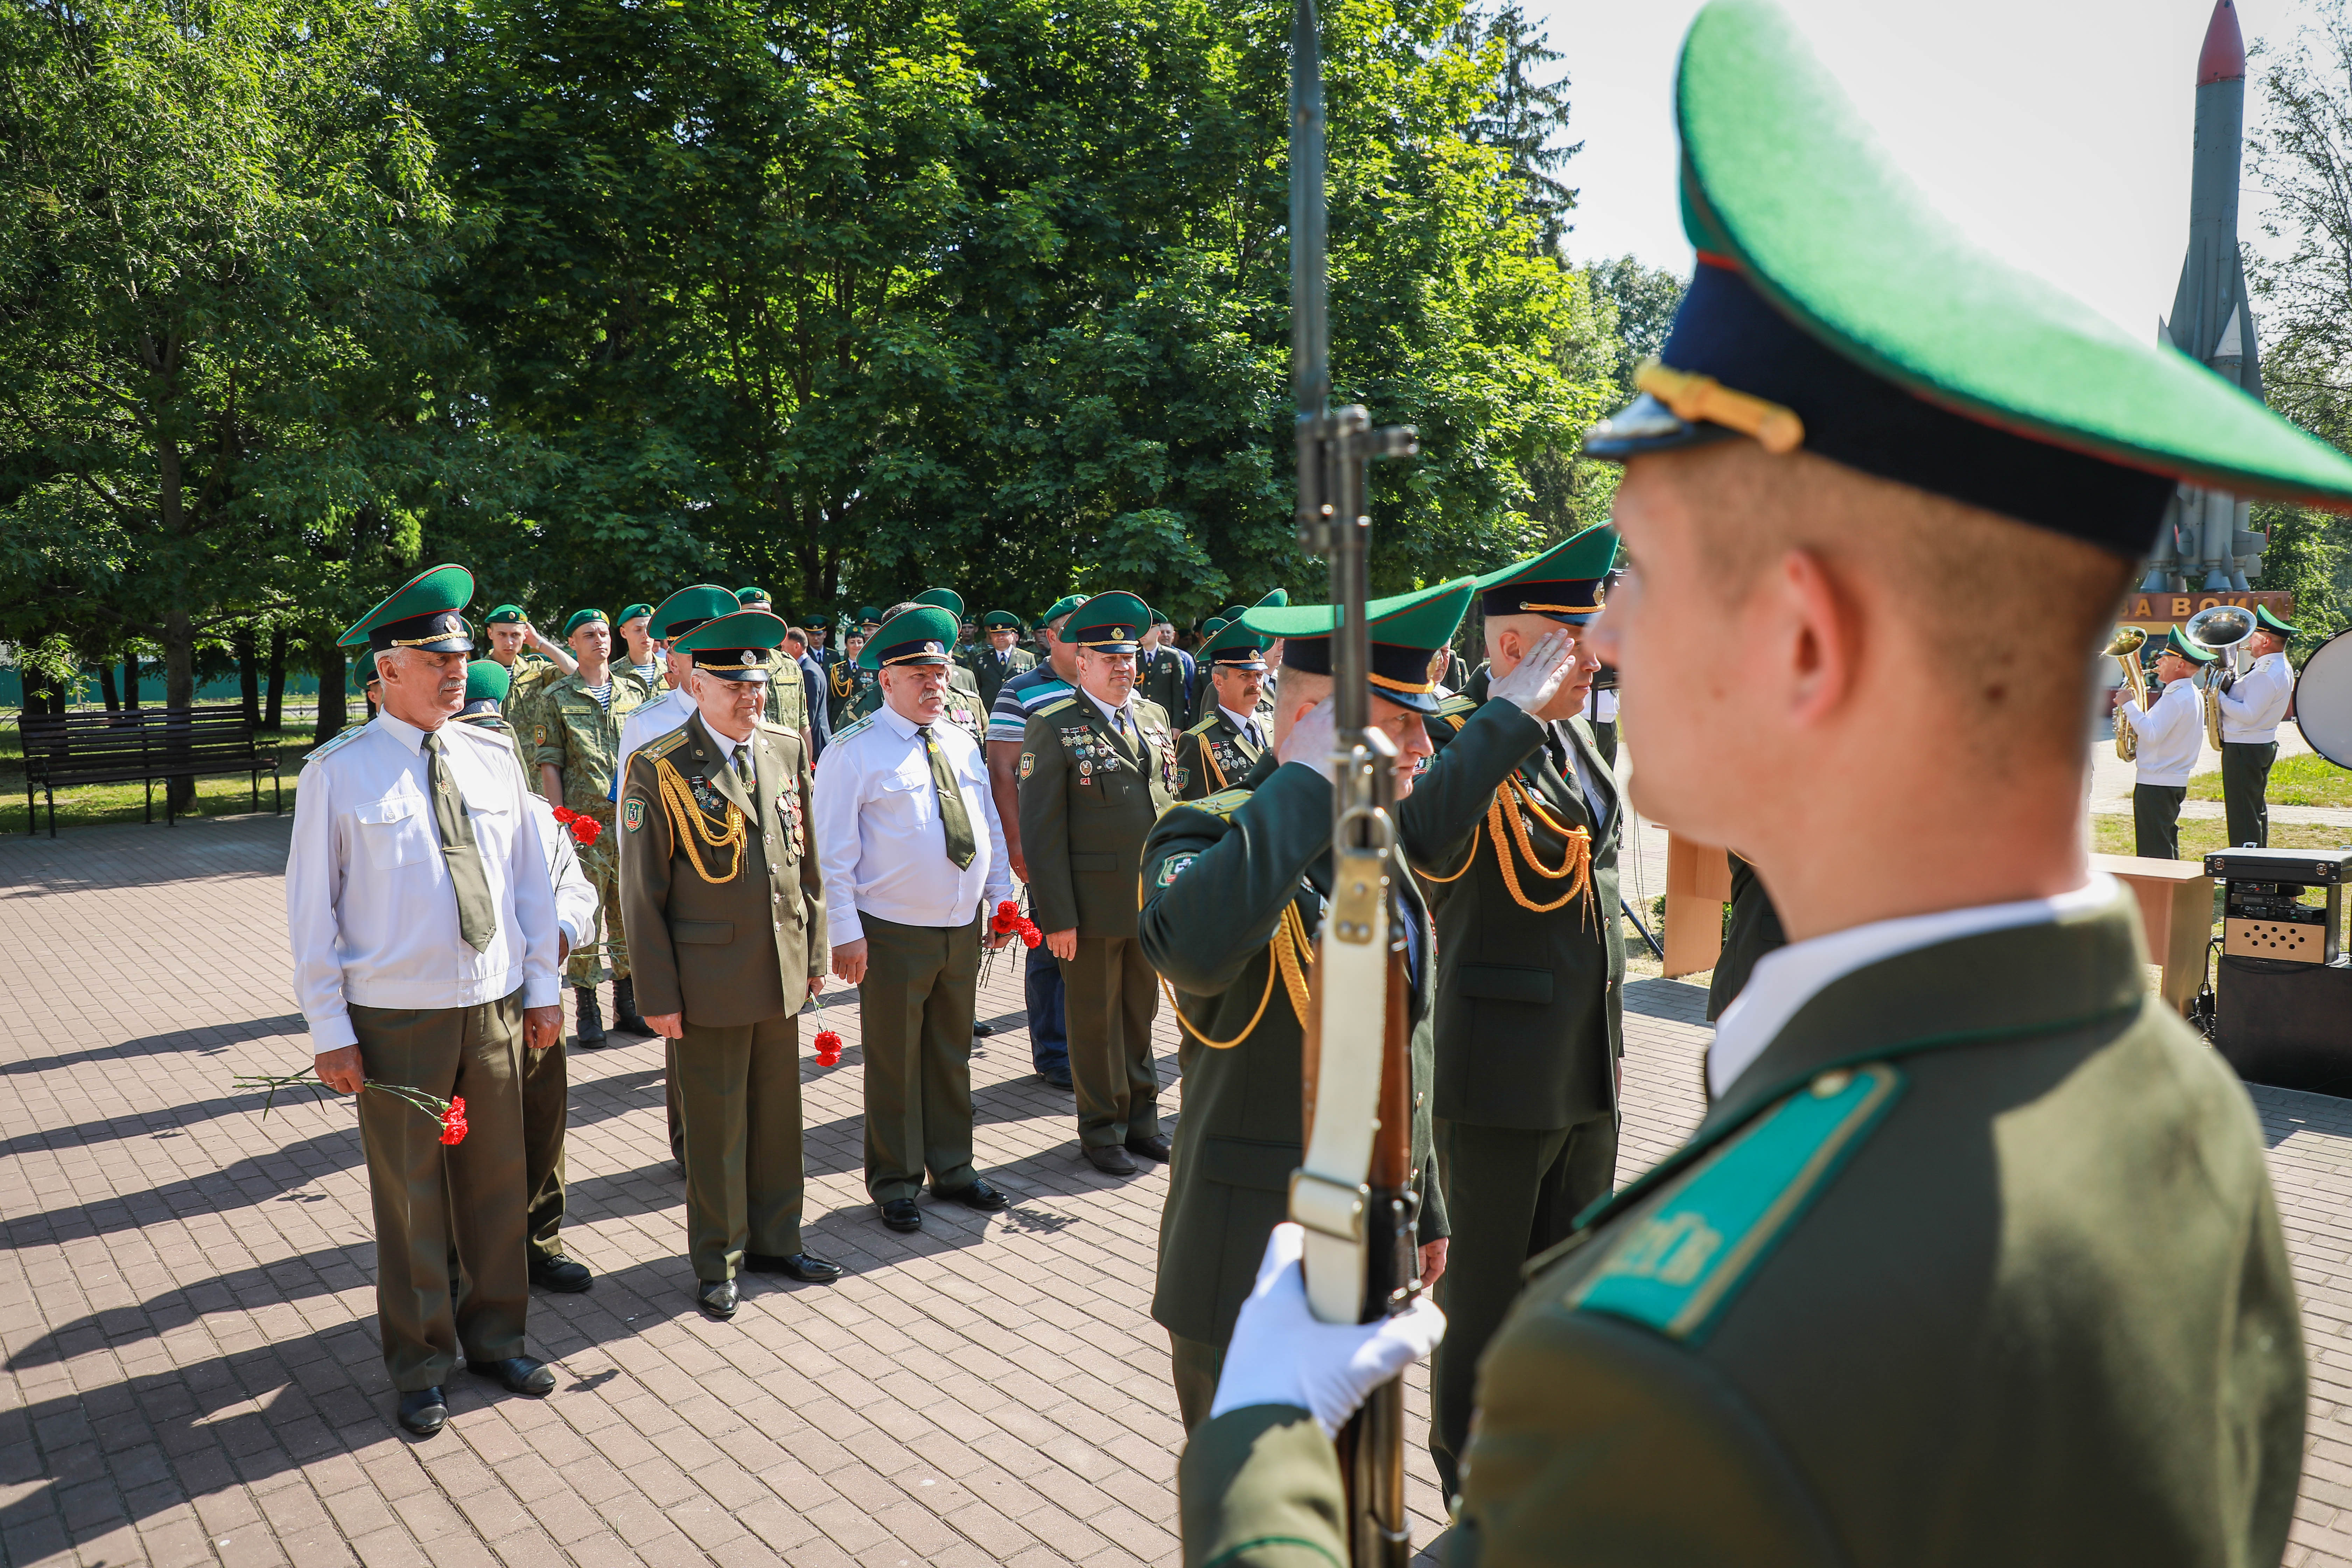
[1235, 647]
[1405, 628]
[735, 647]
[1906, 349]
[1113, 622]
[690, 607]
[1275, 600]
[1562, 583]
[2175, 643]
[487, 681]
[999, 620]
[920, 636]
[437, 591]
[947, 599]
[2269, 622]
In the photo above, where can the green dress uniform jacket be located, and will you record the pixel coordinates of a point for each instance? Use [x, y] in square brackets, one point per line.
[1752, 931]
[1217, 875]
[990, 670]
[1214, 754]
[1162, 676]
[1088, 801]
[845, 685]
[1977, 1262]
[1530, 1013]
[688, 932]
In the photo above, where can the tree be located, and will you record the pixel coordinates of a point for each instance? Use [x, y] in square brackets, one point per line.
[1524, 116]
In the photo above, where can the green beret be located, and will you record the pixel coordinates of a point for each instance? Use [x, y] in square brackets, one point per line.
[1062, 607]
[751, 595]
[580, 618]
[422, 613]
[487, 681]
[631, 613]
[505, 616]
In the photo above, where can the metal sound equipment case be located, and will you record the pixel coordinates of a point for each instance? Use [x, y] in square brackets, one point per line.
[2283, 997]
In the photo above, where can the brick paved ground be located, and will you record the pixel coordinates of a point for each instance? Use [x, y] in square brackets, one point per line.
[186, 1297]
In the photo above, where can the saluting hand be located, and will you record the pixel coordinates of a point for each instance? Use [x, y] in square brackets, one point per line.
[1537, 679]
[1311, 738]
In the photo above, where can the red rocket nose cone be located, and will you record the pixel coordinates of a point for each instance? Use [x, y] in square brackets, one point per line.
[2223, 57]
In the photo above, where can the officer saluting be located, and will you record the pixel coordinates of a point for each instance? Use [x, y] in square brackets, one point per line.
[2252, 709]
[1096, 767]
[1516, 848]
[726, 899]
[424, 932]
[1237, 726]
[1964, 1186]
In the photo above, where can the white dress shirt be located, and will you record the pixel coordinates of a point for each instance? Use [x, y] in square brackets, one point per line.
[648, 722]
[2256, 702]
[1245, 722]
[2171, 734]
[369, 910]
[1786, 979]
[880, 842]
[575, 895]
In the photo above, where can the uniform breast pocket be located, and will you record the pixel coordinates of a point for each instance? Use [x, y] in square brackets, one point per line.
[909, 797]
[395, 832]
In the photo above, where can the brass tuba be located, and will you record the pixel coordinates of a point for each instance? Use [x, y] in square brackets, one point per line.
[2220, 628]
[2124, 649]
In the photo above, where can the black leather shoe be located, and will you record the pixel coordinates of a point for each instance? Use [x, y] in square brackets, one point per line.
[591, 1018]
[424, 1412]
[518, 1374]
[1111, 1161]
[560, 1274]
[979, 1195]
[900, 1213]
[626, 1017]
[1155, 1148]
[716, 1297]
[1058, 1081]
[805, 1267]
[981, 1031]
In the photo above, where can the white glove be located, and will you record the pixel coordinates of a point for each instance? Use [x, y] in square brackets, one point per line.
[1311, 738]
[1536, 678]
[1281, 1353]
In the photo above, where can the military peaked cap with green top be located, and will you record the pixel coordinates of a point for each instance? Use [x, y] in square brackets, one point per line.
[1000, 620]
[505, 616]
[486, 685]
[689, 608]
[733, 647]
[1276, 599]
[868, 616]
[2175, 643]
[2271, 623]
[921, 635]
[947, 599]
[1406, 629]
[1108, 623]
[1563, 584]
[422, 613]
[1833, 310]
[751, 593]
[580, 618]
[1236, 612]
[1235, 647]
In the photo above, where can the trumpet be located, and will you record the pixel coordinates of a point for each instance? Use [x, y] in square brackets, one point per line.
[2124, 649]
[2220, 628]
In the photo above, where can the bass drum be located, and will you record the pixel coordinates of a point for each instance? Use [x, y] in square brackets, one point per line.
[2322, 699]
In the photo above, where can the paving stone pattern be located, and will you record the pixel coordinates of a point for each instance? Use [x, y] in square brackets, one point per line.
[187, 1298]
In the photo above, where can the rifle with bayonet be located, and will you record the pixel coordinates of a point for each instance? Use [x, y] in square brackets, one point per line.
[1352, 1194]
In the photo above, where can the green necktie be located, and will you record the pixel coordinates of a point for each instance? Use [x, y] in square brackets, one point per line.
[952, 816]
[742, 766]
[477, 912]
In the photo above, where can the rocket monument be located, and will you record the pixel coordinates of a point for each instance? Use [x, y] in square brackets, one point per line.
[2205, 542]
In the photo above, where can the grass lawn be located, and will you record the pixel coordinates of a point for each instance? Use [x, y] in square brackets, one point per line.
[89, 806]
[2201, 837]
[2295, 781]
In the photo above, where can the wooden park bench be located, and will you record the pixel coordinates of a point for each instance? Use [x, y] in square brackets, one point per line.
[141, 746]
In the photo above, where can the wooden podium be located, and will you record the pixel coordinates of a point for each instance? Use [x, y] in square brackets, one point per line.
[1698, 884]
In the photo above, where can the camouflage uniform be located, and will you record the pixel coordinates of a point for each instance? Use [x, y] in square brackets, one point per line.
[572, 733]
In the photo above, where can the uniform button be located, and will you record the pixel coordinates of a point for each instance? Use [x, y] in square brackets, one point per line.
[1416, 1102]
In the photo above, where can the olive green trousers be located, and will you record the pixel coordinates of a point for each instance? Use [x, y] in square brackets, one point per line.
[2245, 788]
[1510, 1194]
[914, 1011]
[1194, 1366]
[546, 1111]
[739, 1090]
[430, 1196]
[1109, 996]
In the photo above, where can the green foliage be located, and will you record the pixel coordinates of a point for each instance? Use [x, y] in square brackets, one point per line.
[2310, 555]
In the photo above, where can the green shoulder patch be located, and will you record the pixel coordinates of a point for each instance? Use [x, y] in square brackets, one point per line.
[857, 727]
[1676, 1268]
[633, 814]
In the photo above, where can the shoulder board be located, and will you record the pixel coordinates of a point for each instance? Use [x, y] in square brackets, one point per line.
[1678, 1267]
[1204, 726]
[666, 745]
[1221, 805]
[851, 731]
[768, 723]
[1456, 707]
[321, 754]
[1062, 705]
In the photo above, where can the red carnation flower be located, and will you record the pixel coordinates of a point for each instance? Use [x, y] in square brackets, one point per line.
[564, 814]
[585, 829]
[828, 1048]
[453, 1121]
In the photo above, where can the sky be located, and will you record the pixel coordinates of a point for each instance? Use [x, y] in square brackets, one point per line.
[2057, 130]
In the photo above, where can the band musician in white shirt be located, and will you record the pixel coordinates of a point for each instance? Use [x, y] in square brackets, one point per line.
[2253, 705]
